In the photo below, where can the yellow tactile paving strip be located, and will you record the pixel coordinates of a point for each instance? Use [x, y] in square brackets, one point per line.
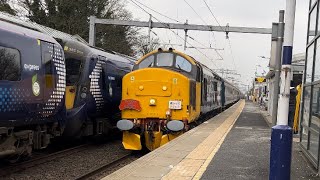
[187, 156]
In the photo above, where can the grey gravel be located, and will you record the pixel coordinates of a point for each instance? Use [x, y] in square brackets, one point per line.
[74, 165]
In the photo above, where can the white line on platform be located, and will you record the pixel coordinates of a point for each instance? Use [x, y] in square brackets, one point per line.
[243, 127]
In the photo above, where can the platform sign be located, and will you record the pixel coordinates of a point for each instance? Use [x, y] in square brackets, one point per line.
[174, 104]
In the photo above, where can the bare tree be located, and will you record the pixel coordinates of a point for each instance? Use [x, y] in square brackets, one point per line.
[143, 46]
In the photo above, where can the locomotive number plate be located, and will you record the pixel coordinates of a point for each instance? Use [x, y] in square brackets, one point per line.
[174, 104]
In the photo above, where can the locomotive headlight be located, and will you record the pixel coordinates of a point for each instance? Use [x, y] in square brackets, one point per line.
[164, 88]
[152, 102]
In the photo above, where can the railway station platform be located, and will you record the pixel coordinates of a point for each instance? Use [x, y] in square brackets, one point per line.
[232, 145]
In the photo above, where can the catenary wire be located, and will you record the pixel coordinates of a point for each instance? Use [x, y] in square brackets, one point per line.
[156, 11]
[174, 32]
[204, 23]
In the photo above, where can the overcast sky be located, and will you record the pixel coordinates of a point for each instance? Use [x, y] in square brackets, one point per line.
[246, 48]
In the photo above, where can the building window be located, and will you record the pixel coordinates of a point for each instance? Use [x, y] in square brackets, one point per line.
[312, 24]
[309, 63]
[313, 144]
[306, 107]
[316, 75]
[315, 108]
[10, 67]
[304, 137]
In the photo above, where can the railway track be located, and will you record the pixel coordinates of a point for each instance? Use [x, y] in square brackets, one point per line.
[17, 167]
[99, 170]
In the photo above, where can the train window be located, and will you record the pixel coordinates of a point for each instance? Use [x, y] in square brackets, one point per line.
[215, 86]
[73, 67]
[48, 70]
[165, 59]
[147, 62]
[10, 67]
[183, 64]
[205, 88]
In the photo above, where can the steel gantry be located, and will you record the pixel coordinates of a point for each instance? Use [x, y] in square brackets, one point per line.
[275, 31]
[186, 27]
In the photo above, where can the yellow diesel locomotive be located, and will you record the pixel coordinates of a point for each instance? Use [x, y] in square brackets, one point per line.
[167, 91]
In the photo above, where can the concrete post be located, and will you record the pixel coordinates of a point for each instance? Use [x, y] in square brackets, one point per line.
[277, 68]
[92, 31]
[281, 135]
[185, 36]
[149, 32]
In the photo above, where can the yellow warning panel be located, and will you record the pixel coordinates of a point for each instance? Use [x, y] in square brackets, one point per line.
[153, 139]
[70, 96]
[131, 141]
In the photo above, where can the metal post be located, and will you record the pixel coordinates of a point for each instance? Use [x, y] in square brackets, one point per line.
[92, 31]
[277, 69]
[281, 135]
[149, 32]
[185, 36]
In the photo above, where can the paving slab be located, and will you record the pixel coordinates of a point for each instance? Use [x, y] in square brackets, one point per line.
[244, 154]
[182, 157]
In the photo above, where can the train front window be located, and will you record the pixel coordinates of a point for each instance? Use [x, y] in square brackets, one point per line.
[73, 67]
[165, 59]
[182, 63]
[9, 64]
[147, 62]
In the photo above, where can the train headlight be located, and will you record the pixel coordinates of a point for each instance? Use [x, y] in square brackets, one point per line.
[175, 125]
[141, 88]
[164, 88]
[152, 102]
[83, 95]
[125, 125]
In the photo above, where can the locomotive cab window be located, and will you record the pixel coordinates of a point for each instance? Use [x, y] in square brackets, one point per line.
[10, 67]
[147, 62]
[165, 59]
[182, 63]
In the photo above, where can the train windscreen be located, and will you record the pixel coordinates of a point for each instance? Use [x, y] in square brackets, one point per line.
[73, 67]
[9, 64]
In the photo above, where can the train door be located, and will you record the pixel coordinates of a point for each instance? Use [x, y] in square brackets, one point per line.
[48, 80]
[199, 88]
